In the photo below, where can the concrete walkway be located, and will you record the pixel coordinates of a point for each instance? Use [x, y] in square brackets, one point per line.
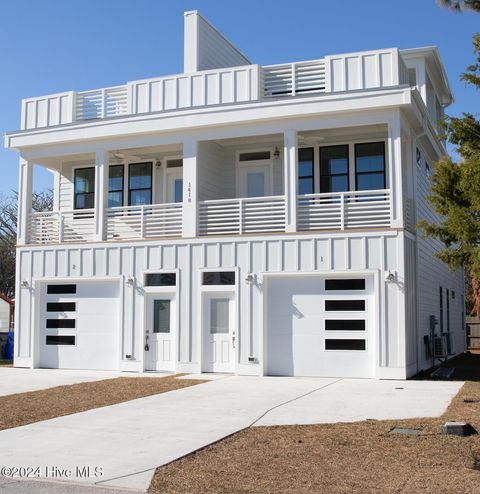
[129, 440]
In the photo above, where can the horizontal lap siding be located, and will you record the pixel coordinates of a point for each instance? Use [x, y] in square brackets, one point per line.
[299, 254]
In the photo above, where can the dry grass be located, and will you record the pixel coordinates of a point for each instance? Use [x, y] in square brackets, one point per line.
[25, 408]
[339, 458]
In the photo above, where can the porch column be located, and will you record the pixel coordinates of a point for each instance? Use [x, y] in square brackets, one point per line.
[395, 170]
[290, 153]
[189, 212]
[25, 175]
[101, 193]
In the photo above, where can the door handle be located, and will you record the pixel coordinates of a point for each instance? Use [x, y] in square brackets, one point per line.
[233, 340]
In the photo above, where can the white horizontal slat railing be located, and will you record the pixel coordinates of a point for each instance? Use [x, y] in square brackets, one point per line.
[102, 103]
[148, 221]
[239, 216]
[62, 226]
[342, 210]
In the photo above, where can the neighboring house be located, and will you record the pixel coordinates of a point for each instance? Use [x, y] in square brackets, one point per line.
[6, 313]
[238, 218]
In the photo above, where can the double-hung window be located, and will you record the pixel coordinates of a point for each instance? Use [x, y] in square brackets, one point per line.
[139, 184]
[305, 171]
[334, 165]
[84, 188]
[370, 166]
[115, 186]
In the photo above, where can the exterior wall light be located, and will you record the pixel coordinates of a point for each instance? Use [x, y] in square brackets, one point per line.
[24, 284]
[276, 153]
[130, 281]
[249, 279]
[390, 277]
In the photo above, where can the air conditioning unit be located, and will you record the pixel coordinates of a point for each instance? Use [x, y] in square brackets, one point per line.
[439, 344]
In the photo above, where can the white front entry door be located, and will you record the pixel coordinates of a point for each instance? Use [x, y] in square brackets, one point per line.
[175, 186]
[160, 333]
[218, 332]
[254, 181]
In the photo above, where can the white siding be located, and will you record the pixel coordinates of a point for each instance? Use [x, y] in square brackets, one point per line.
[214, 175]
[327, 254]
[4, 316]
[432, 273]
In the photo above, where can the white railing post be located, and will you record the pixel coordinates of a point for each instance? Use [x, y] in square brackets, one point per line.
[240, 216]
[104, 103]
[342, 210]
[291, 173]
[61, 226]
[25, 173]
[101, 193]
[294, 89]
[190, 205]
[142, 222]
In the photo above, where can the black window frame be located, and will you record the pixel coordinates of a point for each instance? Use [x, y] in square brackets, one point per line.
[116, 191]
[76, 194]
[130, 190]
[323, 175]
[376, 172]
[310, 177]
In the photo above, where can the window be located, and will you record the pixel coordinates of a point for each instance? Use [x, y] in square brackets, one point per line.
[178, 190]
[345, 284]
[334, 168]
[305, 171]
[370, 166]
[84, 188]
[161, 316]
[254, 156]
[175, 163]
[160, 279]
[139, 184]
[60, 340]
[344, 325]
[344, 305]
[61, 307]
[60, 323]
[219, 278]
[219, 315]
[115, 186]
[61, 289]
[345, 344]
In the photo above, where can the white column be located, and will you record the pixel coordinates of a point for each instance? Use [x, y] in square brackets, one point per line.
[25, 175]
[395, 170]
[101, 193]
[290, 153]
[190, 152]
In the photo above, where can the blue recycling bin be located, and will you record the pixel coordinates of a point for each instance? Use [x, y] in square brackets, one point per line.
[8, 352]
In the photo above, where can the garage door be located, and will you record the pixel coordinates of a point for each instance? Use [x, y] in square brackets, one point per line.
[79, 325]
[320, 326]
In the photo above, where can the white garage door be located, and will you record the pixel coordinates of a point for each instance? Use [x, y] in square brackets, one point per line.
[79, 325]
[320, 326]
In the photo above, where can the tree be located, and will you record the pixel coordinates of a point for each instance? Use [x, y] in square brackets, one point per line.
[455, 193]
[41, 201]
[461, 5]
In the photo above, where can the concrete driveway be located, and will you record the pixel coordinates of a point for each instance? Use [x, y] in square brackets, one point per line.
[129, 440]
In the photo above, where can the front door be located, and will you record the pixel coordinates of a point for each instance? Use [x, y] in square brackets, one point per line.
[159, 333]
[218, 332]
[175, 187]
[254, 181]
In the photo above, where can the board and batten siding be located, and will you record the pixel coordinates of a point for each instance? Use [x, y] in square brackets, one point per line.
[4, 316]
[433, 273]
[326, 254]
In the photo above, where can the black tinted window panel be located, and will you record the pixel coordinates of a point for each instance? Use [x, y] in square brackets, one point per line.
[255, 156]
[345, 325]
[341, 344]
[346, 305]
[61, 307]
[61, 289]
[161, 316]
[61, 323]
[345, 284]
[161, 279]
[60, 340]
[219, 278]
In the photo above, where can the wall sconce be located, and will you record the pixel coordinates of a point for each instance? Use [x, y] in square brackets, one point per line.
[130, 281]
[249, 279]
[158, 164]
[24, 284]
[390, 277]
[276, 153]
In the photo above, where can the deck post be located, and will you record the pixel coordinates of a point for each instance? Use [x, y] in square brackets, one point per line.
[190, 206]
[290, 153]
[101, 193]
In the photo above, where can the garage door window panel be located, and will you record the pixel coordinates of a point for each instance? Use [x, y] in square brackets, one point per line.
[61, 324]
[345, 325]
[346, 305]
[345, 344]
[61, 289]
[65, 340]
[61, 306]
[345, 284]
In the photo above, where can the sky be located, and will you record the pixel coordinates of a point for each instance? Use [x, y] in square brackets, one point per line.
[51, 46]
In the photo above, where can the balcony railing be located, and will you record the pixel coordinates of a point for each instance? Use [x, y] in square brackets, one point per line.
[138, 222]
[239, 216]
[342, 210]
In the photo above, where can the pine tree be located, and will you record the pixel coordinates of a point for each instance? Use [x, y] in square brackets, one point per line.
[461, 5]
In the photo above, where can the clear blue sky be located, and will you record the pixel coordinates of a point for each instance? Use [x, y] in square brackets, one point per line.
[50, 46]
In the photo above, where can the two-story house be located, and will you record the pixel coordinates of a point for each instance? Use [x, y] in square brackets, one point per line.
[238, 218]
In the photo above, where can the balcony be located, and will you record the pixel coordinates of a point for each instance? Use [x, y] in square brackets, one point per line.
[227, 86]
[259, 215]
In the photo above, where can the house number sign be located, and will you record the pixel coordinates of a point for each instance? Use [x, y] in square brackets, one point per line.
[189, 192]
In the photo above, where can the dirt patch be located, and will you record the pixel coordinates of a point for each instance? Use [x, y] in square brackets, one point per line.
[26, 408]
[340, 458]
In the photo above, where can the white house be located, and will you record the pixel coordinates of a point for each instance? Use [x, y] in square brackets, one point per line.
[6, 313]
[238, 218]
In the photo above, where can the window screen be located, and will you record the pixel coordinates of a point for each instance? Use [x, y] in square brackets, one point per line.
[347, 305]
[341, 344]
